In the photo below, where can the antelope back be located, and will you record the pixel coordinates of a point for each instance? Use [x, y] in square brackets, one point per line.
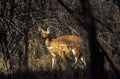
[70, 40]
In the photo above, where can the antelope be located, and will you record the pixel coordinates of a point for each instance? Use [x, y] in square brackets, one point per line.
[62, 46]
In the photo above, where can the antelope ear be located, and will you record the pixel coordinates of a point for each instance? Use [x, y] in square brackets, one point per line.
[40, 29]
[48, 30]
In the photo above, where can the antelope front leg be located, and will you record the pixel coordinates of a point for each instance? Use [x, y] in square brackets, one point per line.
[53, 60]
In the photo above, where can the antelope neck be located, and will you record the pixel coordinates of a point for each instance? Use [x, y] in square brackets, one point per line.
[47, 41]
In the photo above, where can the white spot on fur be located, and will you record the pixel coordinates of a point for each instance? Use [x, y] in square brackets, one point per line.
[53, 54]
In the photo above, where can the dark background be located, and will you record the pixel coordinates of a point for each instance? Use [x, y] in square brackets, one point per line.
[23, 54]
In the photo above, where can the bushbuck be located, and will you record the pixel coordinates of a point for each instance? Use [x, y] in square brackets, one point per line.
[62, 45]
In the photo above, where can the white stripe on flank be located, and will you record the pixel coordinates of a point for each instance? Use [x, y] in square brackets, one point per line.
[50, 47]
[62, 45]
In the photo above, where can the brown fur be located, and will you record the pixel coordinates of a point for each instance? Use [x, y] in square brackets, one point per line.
[61, 45]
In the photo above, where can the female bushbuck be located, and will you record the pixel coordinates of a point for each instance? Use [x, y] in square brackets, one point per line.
[62, 45]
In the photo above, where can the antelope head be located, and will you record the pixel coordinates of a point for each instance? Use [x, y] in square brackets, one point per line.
[43, 32]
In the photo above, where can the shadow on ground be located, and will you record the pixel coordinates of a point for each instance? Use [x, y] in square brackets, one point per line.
[68, 73]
